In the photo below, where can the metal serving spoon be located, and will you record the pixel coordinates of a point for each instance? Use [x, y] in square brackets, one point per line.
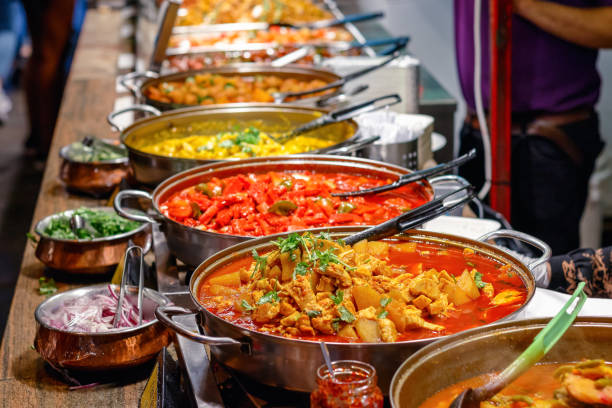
[124, 282]
[414, 176]
[541, 344]
[280, 97]
[79, 223]
[339, 116]
[415, 217]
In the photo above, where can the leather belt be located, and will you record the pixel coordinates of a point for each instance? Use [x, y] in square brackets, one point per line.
[547, 126]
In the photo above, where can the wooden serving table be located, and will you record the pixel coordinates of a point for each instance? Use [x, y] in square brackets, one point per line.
[89, 96]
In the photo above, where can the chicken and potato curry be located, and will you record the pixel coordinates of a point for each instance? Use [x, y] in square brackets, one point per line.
[315, 288]
[585, 384]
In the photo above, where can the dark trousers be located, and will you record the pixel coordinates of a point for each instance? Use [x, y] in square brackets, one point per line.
[549, 188]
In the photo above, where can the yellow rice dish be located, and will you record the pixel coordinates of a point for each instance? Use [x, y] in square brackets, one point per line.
[236, 144]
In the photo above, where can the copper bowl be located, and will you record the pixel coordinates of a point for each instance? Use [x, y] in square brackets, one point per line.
[99, 351]
[91, 256]
[96, 178]
[490, 349]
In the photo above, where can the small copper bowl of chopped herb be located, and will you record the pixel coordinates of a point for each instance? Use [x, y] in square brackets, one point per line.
[95, 248]
[93, 166]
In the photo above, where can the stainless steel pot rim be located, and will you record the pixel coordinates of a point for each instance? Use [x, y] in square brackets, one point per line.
[356, 162]
[224, 108]
[476, 333]
[40, 226]
[338, 231]
[121, 160]
[151, 294]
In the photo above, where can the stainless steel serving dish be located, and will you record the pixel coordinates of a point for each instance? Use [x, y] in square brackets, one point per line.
[92, 256]
[491, 349]
[138, 82]
[192, 245]
[111, 350]
[151, 169]
[291, 363]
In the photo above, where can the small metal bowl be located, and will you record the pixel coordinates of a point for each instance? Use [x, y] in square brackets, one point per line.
[95, 178]
[100, 351]
[93, 256]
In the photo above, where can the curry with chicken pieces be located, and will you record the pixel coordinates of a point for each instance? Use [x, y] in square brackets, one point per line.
[315, 288]
[584, 384]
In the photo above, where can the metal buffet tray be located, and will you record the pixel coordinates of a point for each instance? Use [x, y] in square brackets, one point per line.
[334, 45]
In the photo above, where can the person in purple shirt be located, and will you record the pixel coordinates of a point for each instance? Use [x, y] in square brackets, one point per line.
[555, 129]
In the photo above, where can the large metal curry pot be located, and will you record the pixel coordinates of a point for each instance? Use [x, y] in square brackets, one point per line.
[290, 363]
[150, 169]
[138, 82]
[192, 245]
[491, 349]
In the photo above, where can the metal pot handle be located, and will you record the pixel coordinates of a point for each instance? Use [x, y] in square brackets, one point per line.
[118, 204]
[164, 313]
[353, 147]
[528, 239]
[142, 108]
[129, 80]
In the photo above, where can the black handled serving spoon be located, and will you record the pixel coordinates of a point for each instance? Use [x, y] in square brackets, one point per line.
[414, 176]
[415, 217]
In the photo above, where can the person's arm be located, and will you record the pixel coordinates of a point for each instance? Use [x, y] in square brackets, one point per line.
[589, 27]
[594, 267]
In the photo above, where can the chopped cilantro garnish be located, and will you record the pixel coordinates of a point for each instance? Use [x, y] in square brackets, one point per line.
[345, 315]
[227, 144]
[478, 280]
[337, 299]
[246, 306]
[385, 301]
[383, 314]
[250, 136]
[46, 286]
[300, 269]
[325, 235]
[260, 263]
[271, 296]
[313, 313]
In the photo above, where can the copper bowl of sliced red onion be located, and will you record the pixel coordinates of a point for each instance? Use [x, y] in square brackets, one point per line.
[75, 330]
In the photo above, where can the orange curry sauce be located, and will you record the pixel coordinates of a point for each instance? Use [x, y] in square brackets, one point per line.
[472, 314]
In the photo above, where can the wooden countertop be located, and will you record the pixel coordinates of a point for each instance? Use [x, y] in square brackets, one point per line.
[89, 96]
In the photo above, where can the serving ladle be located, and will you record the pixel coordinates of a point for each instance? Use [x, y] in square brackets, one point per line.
[412, 177]
[541, 344]
[340, 115]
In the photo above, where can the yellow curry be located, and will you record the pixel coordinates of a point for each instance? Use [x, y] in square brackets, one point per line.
[194, 143]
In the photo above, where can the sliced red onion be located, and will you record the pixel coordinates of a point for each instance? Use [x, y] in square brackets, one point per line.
[94, 313]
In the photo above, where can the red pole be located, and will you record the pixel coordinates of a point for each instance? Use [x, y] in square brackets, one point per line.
[501, 103]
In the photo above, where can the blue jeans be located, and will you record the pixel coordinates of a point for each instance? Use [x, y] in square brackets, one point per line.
[12, 32]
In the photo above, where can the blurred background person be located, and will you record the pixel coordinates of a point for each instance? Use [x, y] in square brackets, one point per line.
[53, 26]
[12, 32]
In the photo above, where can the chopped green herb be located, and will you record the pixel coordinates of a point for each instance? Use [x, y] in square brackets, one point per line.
[522, 398]
[293, 242]
[300, 269]
[227, 144]
[325, 236]
[205, 97]
[250, 136]
[336, 324]
[246, 306]
[338, 298]
[46, 286]
[103, 223]
[229, 85]
[260, 263]
[313, 313]
[472, 264]
[383, 314]
[478, 280]
[271, 296]
[385, 301]
[345, 315]
[346, 207]
[190, 79]
[32, 237]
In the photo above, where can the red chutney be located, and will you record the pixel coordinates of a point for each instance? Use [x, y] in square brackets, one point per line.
[268, 203]
[475, 313]
[353, 386]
